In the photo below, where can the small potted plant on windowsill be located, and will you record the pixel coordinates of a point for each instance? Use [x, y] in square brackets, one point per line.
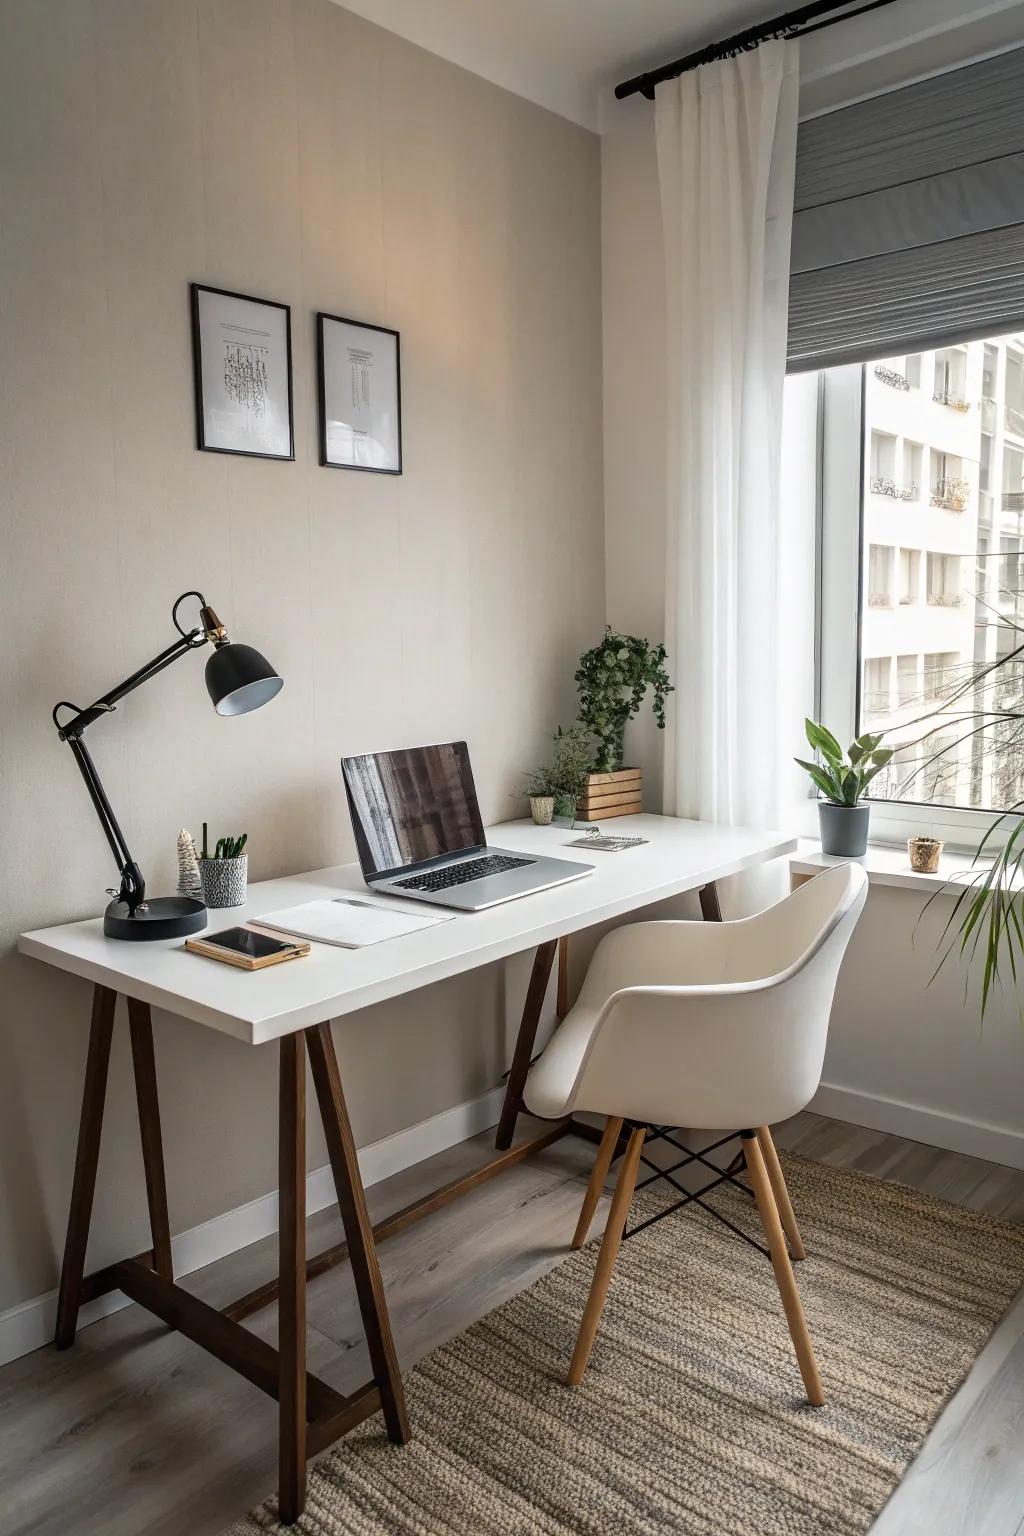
[842, 780]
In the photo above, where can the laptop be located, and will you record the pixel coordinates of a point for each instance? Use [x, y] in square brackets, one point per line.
[419, 832]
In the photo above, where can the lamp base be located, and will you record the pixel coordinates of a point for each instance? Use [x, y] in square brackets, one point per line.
[164, 917]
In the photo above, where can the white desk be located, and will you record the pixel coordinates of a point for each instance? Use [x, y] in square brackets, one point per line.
[294, 1004]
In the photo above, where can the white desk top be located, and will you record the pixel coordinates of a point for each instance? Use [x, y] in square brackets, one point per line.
[256, 1006]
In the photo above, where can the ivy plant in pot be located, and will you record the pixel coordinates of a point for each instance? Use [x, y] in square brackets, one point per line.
[842, 779]
[612, 679]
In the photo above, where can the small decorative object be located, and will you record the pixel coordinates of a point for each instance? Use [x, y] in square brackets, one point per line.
[842, 780]
[224, 875]
[242, 363]
[188, 865]
[554, 791]
[360, 395]
[612, 680]
[925, 853]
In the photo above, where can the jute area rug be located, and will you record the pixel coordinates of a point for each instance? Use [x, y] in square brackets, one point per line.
[691, 1419]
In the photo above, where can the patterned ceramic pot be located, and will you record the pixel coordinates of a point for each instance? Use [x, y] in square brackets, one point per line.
[925, 853]
[542, 808]
[224, 880]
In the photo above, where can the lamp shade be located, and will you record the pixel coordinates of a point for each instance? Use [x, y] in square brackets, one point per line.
[240, 679]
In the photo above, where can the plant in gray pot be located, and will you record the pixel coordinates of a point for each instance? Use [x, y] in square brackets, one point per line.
[842, 779]
[224, 876]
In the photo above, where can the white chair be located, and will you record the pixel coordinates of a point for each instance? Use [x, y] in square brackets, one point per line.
[703, 1026]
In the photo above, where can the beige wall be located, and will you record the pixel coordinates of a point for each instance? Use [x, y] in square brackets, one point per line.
[288, 149]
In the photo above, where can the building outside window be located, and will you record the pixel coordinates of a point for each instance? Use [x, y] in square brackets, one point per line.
[941, 611]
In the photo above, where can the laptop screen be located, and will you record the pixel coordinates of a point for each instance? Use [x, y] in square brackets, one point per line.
[411, 806]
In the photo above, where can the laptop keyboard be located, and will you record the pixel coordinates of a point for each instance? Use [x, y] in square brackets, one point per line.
[460, 874]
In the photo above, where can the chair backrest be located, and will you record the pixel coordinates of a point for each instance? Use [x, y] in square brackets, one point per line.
[746, 1049]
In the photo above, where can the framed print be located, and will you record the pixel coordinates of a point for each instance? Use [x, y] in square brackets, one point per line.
[242, 358]
[360, 389]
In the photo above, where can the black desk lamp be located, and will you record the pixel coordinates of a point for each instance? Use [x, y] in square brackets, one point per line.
[238, 679]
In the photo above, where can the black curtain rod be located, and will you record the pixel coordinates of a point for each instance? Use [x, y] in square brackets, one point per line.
[793, 24]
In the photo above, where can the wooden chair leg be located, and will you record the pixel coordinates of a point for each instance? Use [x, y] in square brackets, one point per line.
[291, 1305]
[606, 1258]
[84, 1186]
[362, 1254]
[140, 1025]
[783, 1269]
[781, 1193]
[603, 1161]
[523, 1054]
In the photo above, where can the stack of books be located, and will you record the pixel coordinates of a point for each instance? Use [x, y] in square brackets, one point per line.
[611, 794]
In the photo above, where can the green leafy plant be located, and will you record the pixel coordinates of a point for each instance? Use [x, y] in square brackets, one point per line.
[227, 847]
[566, 774]
[613, 679]
[843, 777]
[986, 913]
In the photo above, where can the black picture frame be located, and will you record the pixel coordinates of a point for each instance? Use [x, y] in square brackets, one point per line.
[195, 290]
[326, 462]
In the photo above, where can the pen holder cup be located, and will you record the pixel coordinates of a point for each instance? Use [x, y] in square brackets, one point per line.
[224, 880]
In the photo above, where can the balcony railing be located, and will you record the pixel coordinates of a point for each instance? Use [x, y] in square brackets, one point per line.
[1013, 501]
[891, 377]
[878, 701]
[954, 401]
[952, 494]
[884, 485]
[1013, 420]
[880, 600]
[945, 600]
[1009, 685]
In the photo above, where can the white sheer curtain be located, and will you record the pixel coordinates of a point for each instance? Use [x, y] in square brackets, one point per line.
[726, 138]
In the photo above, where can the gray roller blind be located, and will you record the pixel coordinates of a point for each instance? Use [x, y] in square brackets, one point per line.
[908, 229]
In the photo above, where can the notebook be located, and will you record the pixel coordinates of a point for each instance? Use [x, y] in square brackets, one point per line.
[248, 950]
[349, 921]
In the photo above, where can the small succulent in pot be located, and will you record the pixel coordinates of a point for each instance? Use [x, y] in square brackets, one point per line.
[224, 876]
[842, 779]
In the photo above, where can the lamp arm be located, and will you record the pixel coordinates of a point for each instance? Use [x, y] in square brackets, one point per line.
[133, 886]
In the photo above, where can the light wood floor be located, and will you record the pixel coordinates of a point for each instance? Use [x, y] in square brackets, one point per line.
[136, 1430]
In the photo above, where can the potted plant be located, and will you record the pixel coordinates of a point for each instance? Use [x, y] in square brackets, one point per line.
[842, 780]
[223, 877]
[554, 790]
[613, 679]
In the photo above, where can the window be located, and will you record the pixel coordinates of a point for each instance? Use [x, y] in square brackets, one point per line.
[940, 674]
[933, 630]
[877, 695]
[913, 370]
[906, 680]
[880, 568]
[944, 580]
[913, 459]
[910, 576]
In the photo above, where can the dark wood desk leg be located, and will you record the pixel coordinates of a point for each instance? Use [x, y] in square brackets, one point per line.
[523, 1054]
[710, 906]
[140, 1025]
[83, 1188]
[362, 1253]
[292, 1265]
[562, 991]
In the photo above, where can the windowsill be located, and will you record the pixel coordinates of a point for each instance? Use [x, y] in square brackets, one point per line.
[888, 864]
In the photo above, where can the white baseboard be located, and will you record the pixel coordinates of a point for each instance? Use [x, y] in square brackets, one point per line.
[974, 1138]
[30, 1324]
